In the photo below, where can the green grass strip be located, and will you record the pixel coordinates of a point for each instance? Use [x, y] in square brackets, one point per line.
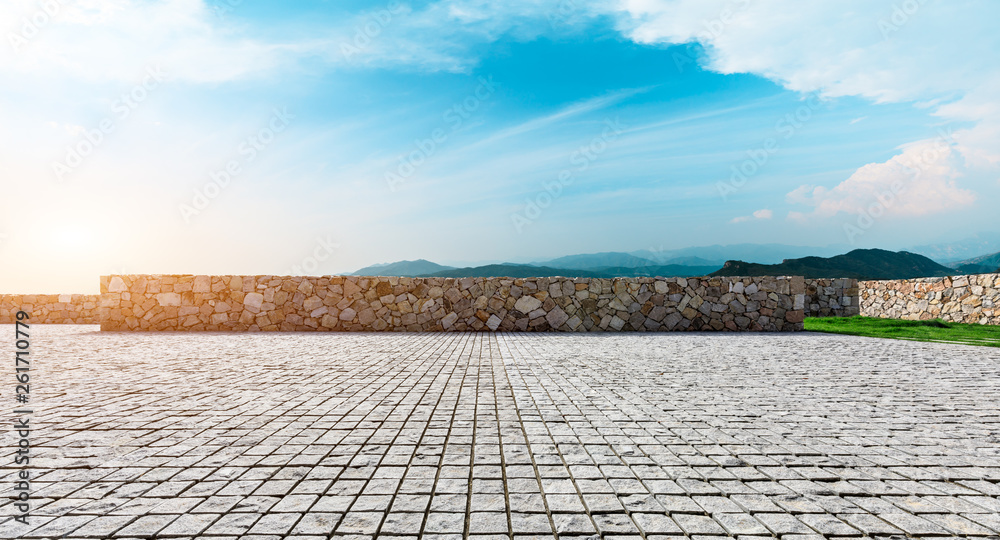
[934, 330]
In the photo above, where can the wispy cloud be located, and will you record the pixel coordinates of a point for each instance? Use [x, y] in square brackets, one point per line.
[563, 114]
[763, 214]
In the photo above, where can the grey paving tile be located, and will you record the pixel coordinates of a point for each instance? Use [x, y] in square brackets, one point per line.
[445, 523]
[190, 525]
[232, 525]
[58, 527]
[652, 524]
[783, 524]
[870, 524]
[488, 523]
[146, 526]
[317, 523]
[990, 521]
[530, 523]
[914, 525]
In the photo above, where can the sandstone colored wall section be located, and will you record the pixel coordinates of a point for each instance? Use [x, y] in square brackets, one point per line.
[51, 308]
[349, 303]
[964, 299]
[832, 298]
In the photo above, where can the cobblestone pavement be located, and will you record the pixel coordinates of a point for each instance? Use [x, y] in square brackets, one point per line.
[272, 436]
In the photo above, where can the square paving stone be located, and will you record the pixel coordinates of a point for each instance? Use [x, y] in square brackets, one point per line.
[190, 525]
[232, 525]
[146, 526]
[402, 523]
[615, 524]
[530, 523]
[439, 522]
[488, 523]
[656, 524]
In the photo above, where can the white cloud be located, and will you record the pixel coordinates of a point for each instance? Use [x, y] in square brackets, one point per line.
[837, 48]
[919, 181]
[118, 39]
[758, 215]
[941, 55]
[448, 35]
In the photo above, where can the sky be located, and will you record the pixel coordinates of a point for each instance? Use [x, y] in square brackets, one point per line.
[315, 137]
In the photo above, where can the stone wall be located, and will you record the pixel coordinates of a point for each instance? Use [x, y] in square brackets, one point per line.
[831, 297]
[348, 303]
[237, 303]
[964, 299]
[51, 308]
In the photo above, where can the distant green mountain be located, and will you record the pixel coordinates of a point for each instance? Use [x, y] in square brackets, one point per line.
[860, 264]
[402, 268]
[984, 264]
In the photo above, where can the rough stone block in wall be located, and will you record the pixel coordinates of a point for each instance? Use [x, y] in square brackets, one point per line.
[352, 303]
[51, 308]
[964, 299]
[831, 297]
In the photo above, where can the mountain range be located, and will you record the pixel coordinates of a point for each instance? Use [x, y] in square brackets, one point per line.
[769, 259]
[700, 258]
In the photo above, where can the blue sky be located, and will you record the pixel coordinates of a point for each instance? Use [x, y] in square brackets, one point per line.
[462, 131]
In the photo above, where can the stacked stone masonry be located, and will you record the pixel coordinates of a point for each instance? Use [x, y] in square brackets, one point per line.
[831, 297]
[962, 299]
[51, 308]
[562, 304]
[350, 303]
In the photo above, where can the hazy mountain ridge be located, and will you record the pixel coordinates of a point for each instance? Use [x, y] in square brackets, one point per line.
[860, 264]
[761, 253]
[662, 270]
[598, 260]
[961, 251]
[983, 264]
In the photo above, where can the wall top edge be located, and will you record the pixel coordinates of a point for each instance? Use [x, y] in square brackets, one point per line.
[937, 279]
[50, 294]
[343, 276]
